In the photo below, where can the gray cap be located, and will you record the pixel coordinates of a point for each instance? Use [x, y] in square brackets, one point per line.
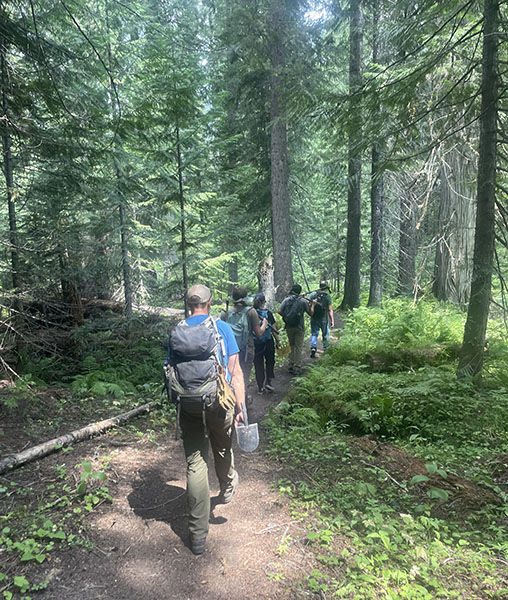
[198, 294]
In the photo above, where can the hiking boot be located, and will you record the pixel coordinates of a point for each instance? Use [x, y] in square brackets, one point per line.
[269, 386]
[227, 495]
[197, 546]
[261, 390]
[313, 353]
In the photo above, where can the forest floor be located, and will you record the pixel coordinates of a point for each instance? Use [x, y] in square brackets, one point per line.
[136, 546]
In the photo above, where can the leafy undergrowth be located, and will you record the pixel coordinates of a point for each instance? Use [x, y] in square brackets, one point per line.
[416, 507]
[387, 527]
[108, 369]
[42, 516]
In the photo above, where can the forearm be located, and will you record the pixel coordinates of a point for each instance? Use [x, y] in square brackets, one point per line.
[238, 387]
[236, 379]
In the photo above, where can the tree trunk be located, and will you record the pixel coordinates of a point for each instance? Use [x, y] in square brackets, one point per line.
[471, 359]
[8, 171]
[70, 291]
[407, 245]
[185, 279]
[266, 284]
[232, 275]
[454, 244]
[281, 229]
[126, 270]
[122, 208]
[376, 192]
[352, 279]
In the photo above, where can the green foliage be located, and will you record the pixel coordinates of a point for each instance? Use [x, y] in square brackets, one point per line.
[401, 326]
[34, 528]
[375, 537]
[383, 533]
[427, 401]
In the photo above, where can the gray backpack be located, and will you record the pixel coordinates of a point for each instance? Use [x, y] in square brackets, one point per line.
[193, 367]
[239, 323]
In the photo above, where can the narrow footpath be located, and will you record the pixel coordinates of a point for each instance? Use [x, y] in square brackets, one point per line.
[140, 541]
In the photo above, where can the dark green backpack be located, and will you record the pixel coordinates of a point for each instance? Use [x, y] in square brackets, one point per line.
[321, 306]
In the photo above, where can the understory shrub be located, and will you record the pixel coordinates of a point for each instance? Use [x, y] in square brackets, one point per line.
[397, 327]
[427, 400]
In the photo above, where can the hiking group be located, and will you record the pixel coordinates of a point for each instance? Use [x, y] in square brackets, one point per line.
[207, 373]
[293, 308]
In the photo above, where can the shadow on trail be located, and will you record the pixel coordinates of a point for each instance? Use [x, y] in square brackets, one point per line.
[154, 499]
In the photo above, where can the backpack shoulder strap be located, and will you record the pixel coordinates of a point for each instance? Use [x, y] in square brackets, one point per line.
[220, 348]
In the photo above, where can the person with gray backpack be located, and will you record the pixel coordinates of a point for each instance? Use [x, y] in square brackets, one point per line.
[205, 381]
[244, 321]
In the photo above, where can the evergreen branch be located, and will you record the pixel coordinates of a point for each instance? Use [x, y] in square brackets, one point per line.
[48, 68]
[432, 108]
[101, 60]
[504, 287]
[429, 39]
[129, 9]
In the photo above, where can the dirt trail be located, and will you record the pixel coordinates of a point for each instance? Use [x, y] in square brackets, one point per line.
[141, 540]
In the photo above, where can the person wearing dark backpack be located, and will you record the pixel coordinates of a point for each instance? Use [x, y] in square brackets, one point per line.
[322, 317]
[293, 308]
[202, 363]
[264, 345]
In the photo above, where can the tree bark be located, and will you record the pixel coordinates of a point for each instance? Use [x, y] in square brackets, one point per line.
[126, 270]
[376, 192]
[352, 278]
[407, 245]
[185, 279]
[122, 205]
[455, 239]
[8, 170]
[266, 284]
[16, 460]
[471, 359]
[70, 291]
[281, 228]
[232, 275]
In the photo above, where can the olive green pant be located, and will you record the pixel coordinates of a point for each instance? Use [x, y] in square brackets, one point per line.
[195, 444]
[295, 337]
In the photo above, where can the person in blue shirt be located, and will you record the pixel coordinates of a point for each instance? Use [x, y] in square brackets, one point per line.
[219, 424]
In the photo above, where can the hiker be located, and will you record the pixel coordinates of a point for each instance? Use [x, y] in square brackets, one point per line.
[321, 318]
[244, 320]
[202, 352]
[293, 309]
[264, 345]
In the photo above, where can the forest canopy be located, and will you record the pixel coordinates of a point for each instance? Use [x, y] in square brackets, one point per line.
[150, 145]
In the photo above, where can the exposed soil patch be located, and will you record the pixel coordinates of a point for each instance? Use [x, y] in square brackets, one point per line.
[140, 541]
[464, 496]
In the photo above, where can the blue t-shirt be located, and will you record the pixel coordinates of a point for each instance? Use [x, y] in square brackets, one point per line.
[226, 333]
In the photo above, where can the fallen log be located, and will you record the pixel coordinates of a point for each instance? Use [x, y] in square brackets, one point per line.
[16, 460]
